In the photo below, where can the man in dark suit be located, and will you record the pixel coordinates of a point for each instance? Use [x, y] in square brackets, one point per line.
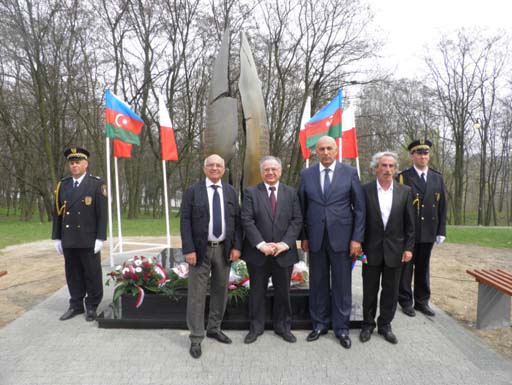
[79, 229]
[333, 209]
[388, 242]
[429, 203]
[210, 238]
[272, 221]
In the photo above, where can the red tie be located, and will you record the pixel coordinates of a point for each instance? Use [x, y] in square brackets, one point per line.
[273, 202]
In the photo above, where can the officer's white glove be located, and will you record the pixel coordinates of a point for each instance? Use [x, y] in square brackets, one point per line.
[98, 244]
[440, 239]
[58, 246]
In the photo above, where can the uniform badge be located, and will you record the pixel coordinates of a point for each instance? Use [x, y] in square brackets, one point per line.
[104, 190]
[88, 200]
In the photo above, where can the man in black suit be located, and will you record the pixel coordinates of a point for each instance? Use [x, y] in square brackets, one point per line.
[388, 242]
[79, 229]
[333, 210]
[429, 203]
[210, 238]
[272, 221]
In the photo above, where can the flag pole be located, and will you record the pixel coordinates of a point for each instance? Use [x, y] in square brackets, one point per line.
[340, 141]
[118, 202]
[167, 225]
[109, 188]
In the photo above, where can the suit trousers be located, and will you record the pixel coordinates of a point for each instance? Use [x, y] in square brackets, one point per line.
[84, 277]
[389, 278]
[419, 266]
[198, 278]
[330, 289]
[282, 308]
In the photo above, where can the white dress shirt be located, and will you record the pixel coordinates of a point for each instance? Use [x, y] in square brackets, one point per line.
[385, 202]
[79, 180]
[421, 172]
[332, 167]
[210, 191]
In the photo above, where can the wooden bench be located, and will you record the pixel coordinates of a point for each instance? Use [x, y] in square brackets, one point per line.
[3, 273]
[494, 292]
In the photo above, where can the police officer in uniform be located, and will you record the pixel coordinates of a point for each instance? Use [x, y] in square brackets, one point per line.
[429, 203]
[79, 229]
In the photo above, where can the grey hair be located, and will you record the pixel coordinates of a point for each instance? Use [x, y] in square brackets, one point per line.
[376, 158]
[213, 156]
[270, 157]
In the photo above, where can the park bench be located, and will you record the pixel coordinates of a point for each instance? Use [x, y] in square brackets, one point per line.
[494, 292]
[3, 273]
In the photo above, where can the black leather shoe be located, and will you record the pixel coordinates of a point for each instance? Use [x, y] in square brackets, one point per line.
[195, 349]
[365, 335]
[91, 315]
[425, 309]
[250, 338]
[287, 336]
[345, 341]
[219, 336]
[388, 336]
[70, 313]
[409, 311]
[315, 334]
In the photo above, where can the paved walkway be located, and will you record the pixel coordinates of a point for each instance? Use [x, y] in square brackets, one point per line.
[38, 349]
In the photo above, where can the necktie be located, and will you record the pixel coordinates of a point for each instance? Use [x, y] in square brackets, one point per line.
[76, 184]
[216, 213]
[273, 202]
[327, 182]
[423, 181]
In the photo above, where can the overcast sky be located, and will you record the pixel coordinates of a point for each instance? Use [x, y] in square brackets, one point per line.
[407, 25]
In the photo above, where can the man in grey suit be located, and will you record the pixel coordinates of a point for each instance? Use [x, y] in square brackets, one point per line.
[388, 242]
[211, 238]
[272, 221]
[333, 209]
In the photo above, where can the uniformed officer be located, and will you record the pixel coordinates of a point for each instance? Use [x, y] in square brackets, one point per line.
[429, 203]
[79, 229]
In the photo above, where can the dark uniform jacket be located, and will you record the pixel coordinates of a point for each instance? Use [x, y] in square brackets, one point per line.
[195, 218]
[388, 243]
[259, 226]
[429, 205]
[80, 215]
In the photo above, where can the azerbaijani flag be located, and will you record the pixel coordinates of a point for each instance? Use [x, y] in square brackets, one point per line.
[306, 115]
[349, 139]
[167, 140]
[121, 122]
[327, 121]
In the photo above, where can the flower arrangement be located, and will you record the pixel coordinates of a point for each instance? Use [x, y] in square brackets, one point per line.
[238, 285]
[141, 273]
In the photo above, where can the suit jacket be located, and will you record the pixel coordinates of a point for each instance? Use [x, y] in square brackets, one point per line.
[398, 236]
[195, 217]
[80, 215]
[259, 226]
[342, 214]
[429, 205]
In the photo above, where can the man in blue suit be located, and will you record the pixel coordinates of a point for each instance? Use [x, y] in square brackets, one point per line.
[333, 209]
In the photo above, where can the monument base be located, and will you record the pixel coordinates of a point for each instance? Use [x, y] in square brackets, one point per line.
[160, 312]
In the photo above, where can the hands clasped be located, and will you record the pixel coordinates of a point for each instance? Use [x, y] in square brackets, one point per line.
[272, 248]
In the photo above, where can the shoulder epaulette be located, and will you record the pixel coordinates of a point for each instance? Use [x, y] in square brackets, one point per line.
[65, 178]
[94, 177]
[401, 178]
[437, 172]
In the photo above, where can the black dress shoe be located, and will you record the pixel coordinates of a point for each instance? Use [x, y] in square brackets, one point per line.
[409, 311]
[287, 336]
[388, 335]
[345, 341]
[91, 315]
[250, 338]
[219, 336]
[365, 334]
[315, 334]
[195, 349]
[70, 313]
[425, 309]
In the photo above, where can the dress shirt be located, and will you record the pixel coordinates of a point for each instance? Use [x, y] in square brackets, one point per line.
[422, 172]
[385, 202]
[332, 167]
[210, 190]
[267, 186]
[79, 180]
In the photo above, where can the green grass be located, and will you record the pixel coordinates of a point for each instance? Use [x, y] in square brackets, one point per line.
[13, 231]
[482, 236]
